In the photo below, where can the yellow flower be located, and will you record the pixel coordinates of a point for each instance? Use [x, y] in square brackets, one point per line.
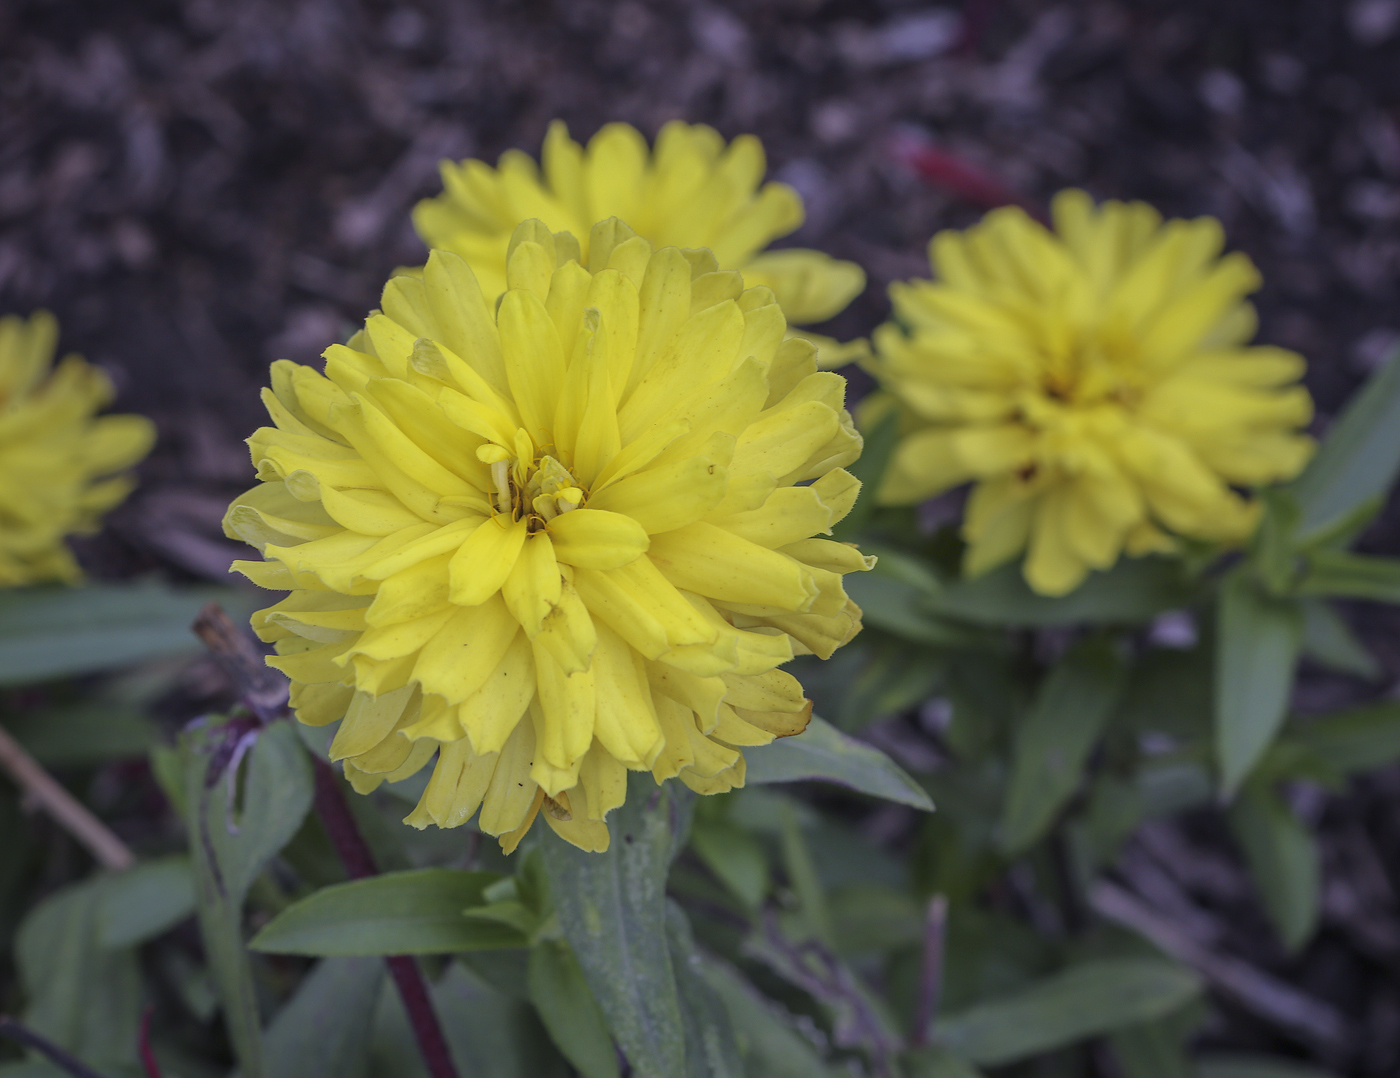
[555, 538]
[1095, 382]
[693, 191]
[58, 461]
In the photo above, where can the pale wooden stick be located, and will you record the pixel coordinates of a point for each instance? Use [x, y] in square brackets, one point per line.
[70, 813]
[1307, 1018]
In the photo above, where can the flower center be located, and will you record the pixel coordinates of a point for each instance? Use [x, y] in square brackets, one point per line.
[1095, 366]
[529, 484]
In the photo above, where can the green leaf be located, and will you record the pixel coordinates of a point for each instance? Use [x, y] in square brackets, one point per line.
[1358, 460]
[1171, 691]
[1284, 860]
[1220, 1065]
[82, 996]
[888, 602]
[612, 907]
[1257, 645]
[869, 468]
[415, 912]
[325, 1028]
[1359, 739]
[569, 1011]
[802, 877]
[1086, 1000]
[768, 1036]
[1054, 740]
[711, 1050]
[1329, 641]
[50, 632]
[491, 1035]
[228, 852]
[144, 901]
[824, 753]
[735, 856]
[84, 733]
[1342, 574]
[937, 1063]
[1273, 552]
[1134, 590]
[1150, 1050]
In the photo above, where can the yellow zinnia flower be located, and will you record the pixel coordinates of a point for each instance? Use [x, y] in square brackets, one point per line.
[692, 191]
[1094, 381]
[555, 538]
[58, 460]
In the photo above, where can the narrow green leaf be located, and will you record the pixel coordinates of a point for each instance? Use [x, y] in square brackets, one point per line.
[82, 996]
[1273, 552]
[1359, 458]
[325, 1028]
[1257, 646]
[1328, 640]
[735, 856]
[1358, 739]
[1157, 1049]
[491, 1035]
[1134, 590]
[1342, 574]
[802, 877]
[1149, 1051]
[1283, 859]
[887, 603]
[711, 1048]
[894, 677]
[88, 732]
[612, 907]
[870, 470]
[1054, 740]
[249, 827]
[144, 901]
[49, 632]
[1087, 1000]
[824, 753]
[415, 912]
[771, 1043]
[937, 1063]
[228, 852]
[1221, 1065]
[569, 1011]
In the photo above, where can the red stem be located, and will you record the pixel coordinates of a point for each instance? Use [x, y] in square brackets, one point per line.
[355, 855]
[143, 1043]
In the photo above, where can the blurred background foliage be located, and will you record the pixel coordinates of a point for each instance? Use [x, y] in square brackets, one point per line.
[196, 188]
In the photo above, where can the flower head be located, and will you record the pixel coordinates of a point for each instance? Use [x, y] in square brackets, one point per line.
[557, 538]
[1096, 384]
[58, 460]
[691, 191]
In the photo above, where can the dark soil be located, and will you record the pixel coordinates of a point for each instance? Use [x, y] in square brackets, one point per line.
[197, 188]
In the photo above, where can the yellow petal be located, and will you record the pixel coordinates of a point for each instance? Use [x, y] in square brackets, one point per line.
[716, 563]
[531, 590]
[460, 658]
[595, 539]
[485, 560]
[491, 713]
[626, 724]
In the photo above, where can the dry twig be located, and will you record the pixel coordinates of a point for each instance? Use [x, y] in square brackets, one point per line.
[1306, 1018]
[71, 814]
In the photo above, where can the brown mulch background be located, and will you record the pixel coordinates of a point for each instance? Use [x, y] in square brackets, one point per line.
[197, 188]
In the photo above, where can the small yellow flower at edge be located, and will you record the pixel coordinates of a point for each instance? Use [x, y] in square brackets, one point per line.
[557, 539]
[691, 191]
[59, 461]
[1094, 382]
